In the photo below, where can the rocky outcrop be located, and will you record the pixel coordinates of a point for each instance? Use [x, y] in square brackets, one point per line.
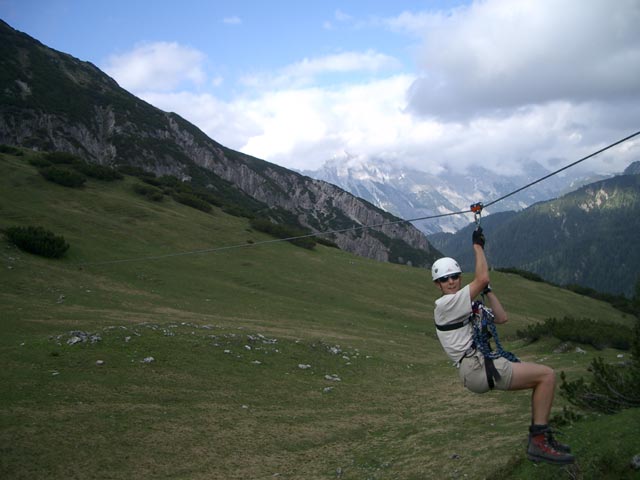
[48, 131]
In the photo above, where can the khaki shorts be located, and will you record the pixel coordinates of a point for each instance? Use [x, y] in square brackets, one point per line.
[474, 376]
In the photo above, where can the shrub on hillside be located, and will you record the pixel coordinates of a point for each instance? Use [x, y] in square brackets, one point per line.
[39, 161]
[523, 273]
[134, 171]
[192, 201]
[284, 232]
[327, 243]
[613, 387]
[620, 302]
[403, 253]
[586, 331]
[209, 198]
[173, 182]
[37, 240]
[99, 172]
[63, 176]
[151, 180]
[149, 191]
[63, 158]
[9, 150]
[237, 211]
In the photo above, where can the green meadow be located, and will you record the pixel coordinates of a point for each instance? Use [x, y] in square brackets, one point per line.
[136, 357]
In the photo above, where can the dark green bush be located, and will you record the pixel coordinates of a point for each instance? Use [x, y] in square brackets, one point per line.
[37, 240]
[586, 331]
[237, 211]
[8, 149]
[286, 232]
[327, 243]
[617, 301]
[39, 161]
[613, 386]
[209, 198]
[134, 171]
[63, 158]
[192, 201]
[173, 182]
[149, 191]
[523, 273]
[151, 180]
[99, 172]
[63, 176]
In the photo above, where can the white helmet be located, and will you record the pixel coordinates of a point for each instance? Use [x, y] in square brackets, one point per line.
[444, 266]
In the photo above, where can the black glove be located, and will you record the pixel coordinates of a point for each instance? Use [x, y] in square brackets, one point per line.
[478, 237]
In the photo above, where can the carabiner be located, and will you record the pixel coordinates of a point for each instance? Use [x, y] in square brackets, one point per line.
[476, 208]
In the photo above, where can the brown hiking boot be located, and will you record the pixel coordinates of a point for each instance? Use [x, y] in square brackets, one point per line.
[541, 450]
[556, 445]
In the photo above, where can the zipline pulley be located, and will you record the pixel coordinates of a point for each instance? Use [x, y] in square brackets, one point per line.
[476, 208]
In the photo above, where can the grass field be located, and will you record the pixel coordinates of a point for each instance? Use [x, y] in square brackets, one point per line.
[269, 361]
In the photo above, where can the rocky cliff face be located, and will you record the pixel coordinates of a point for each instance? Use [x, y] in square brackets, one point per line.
[52, 101]
[316, 204]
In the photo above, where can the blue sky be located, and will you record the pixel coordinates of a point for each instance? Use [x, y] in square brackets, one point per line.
[435, 85]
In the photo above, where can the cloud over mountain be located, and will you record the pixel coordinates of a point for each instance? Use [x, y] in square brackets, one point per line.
[159, 66]
[495, 83]
[500, 55]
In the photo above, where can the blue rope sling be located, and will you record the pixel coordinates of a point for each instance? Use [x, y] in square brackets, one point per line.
[484, 329]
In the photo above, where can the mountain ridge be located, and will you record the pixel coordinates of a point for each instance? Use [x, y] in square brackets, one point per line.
[412, 193]
[586, 237]
[53, 101]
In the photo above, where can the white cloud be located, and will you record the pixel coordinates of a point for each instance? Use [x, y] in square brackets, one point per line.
[225, 122]
[369, 61]
[303, 128]
[342, 16]
[160, 66]
[413, 23]
[339, 16]
[503, 84]
[310, 70]
[501, 54]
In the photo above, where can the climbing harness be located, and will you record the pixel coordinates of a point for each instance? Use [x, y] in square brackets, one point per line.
[484, 329]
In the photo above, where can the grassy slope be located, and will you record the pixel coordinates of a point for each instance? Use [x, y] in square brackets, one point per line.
[208, 406]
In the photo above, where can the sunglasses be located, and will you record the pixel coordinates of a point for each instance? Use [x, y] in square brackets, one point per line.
[455, 276]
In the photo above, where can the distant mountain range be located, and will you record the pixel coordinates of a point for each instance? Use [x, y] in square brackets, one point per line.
[410, 193]
[588, 237]
[52, 101]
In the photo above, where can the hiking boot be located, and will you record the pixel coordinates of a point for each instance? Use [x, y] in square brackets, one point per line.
[556, 445]
[540, 450]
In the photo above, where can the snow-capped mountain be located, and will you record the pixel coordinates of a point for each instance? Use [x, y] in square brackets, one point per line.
[410, 193]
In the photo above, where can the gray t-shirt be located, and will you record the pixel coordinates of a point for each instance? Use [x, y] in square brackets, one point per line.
[454, 308]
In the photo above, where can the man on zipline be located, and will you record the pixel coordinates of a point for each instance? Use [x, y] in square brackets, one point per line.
[454, 317]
